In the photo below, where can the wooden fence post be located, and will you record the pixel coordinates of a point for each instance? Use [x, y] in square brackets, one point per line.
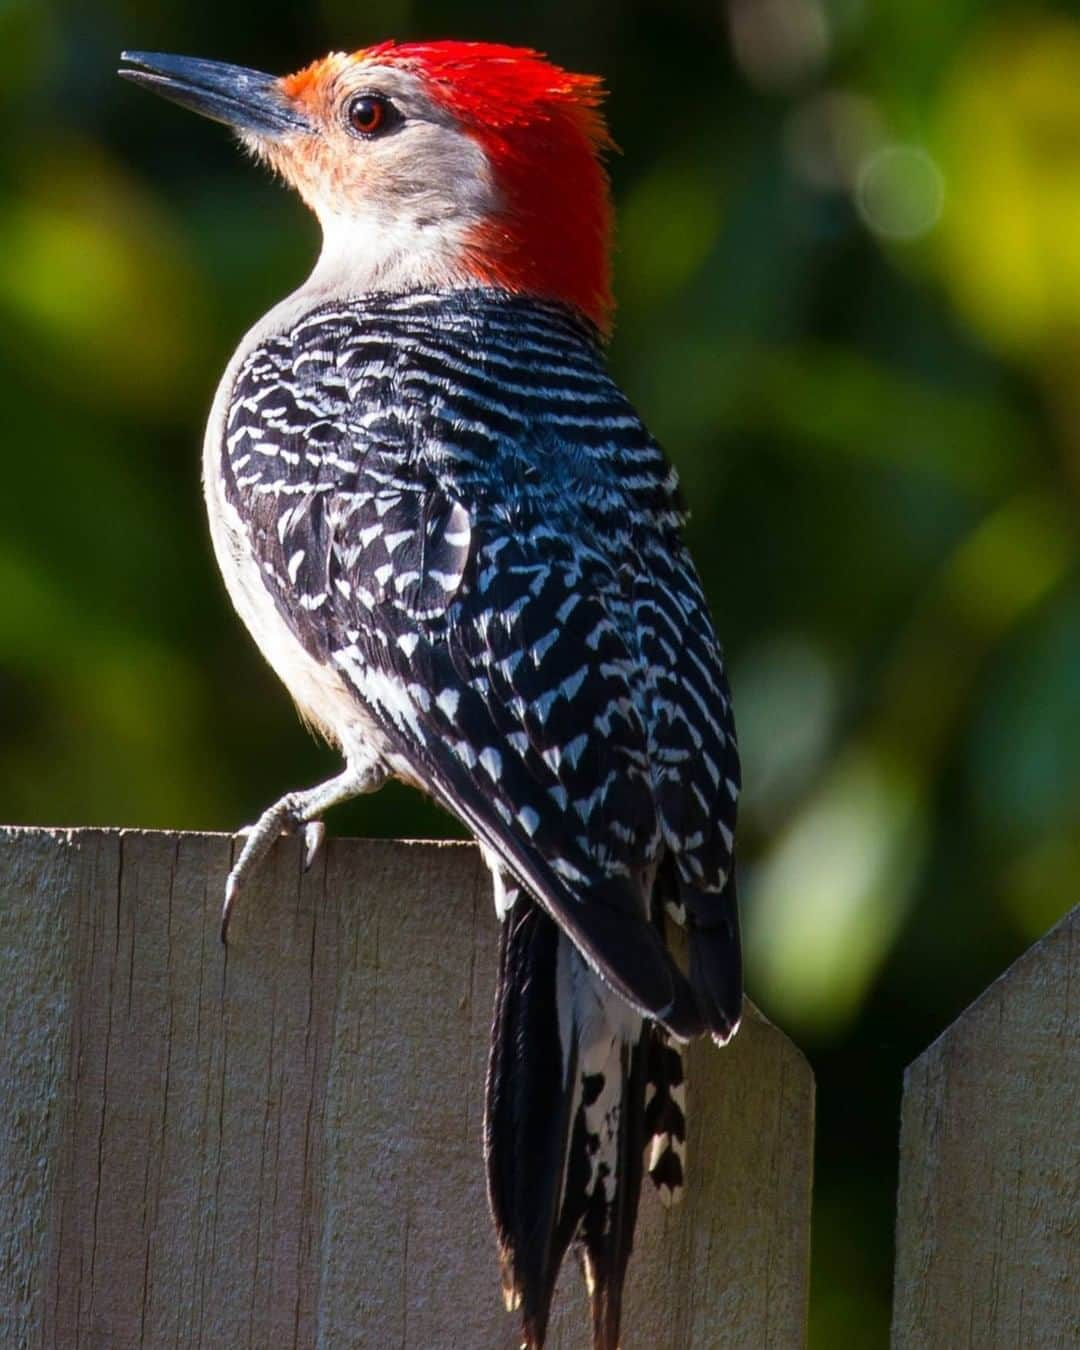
[280, 1145]
[988, 1224]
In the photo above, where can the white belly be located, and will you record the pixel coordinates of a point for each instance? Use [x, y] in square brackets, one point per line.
[320, 692]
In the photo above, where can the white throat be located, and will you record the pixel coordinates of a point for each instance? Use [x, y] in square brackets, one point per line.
[371, 250]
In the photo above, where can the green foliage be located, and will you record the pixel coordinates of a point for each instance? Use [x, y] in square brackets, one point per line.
[850, 273]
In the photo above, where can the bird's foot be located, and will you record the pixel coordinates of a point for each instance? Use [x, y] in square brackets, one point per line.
[294, 811]
[283, 818]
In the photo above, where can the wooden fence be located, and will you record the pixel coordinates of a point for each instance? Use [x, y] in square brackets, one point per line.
[279, 1145]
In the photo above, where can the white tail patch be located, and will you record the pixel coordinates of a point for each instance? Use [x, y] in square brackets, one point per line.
[665, 1117]
[606, 1029]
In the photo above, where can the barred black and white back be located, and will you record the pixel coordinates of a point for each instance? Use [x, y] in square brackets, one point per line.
[466, 549]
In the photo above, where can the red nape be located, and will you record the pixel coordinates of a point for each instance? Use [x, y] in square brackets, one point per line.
[543, 133]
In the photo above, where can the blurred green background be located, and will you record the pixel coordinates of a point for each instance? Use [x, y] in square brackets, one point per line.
[849, 275]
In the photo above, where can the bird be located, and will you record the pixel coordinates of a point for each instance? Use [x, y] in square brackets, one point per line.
[462, 552]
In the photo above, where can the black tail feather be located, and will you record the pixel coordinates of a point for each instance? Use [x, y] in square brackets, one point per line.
[527, 1123]
[555, 1172]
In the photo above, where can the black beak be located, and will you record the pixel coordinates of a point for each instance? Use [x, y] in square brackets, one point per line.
[246, 100]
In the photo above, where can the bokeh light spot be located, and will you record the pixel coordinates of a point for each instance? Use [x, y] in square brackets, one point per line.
[779, 44]
[900, 192]
[828, 899]
[830, 136]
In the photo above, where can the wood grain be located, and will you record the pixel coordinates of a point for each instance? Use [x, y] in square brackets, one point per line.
[280, 1145]
[988, 1224]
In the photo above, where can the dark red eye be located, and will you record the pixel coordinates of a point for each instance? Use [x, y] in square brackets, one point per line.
[369, 114]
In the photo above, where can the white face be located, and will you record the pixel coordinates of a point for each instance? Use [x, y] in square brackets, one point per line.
[398, 205]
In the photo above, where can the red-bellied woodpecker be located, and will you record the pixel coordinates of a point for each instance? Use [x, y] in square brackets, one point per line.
[456, 544]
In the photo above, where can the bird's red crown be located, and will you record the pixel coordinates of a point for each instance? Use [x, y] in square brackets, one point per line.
[543, 134]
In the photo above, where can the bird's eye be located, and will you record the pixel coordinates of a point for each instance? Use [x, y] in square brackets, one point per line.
[371, 114]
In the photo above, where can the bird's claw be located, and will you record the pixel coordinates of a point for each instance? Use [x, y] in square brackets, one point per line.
[282, 818]
[314, 834]
[232, 886]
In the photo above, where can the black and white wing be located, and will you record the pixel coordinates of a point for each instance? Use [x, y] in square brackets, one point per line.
[451, 503]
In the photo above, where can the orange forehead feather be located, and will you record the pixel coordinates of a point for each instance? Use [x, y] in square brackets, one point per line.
[309, 85]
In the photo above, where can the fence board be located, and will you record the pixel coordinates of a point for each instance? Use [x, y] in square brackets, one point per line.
[280, 1145]
[989, 1211]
